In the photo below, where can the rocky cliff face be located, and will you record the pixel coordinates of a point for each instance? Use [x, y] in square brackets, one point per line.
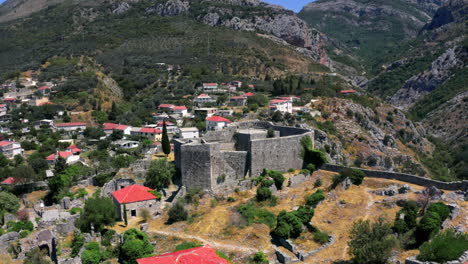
[250, 15]
[425, 82]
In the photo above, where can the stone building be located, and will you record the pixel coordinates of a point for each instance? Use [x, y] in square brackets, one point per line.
[221, 160]
[135, 198]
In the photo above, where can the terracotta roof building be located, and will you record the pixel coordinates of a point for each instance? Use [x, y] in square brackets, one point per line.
[198, 255]
[135, 198]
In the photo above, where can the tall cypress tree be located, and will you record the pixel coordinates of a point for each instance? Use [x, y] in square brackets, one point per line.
[166, 145]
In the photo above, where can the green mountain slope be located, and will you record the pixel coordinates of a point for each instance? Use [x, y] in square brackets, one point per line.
[367, 30]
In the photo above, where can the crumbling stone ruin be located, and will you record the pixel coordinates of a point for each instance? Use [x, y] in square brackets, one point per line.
[222, 160]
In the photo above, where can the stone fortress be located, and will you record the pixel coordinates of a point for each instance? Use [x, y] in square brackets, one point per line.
[223, 160]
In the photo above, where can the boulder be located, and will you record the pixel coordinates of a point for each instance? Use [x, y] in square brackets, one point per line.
[144, 227]
[9, 217]
[65, 203]
[297, 180]
[6, 240]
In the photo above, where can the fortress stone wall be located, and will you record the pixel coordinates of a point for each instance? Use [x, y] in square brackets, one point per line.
[450, 186]
[221, 159]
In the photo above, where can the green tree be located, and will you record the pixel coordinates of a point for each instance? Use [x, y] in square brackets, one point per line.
[288, 225]
[92, 254]
[263, 194]
[135, 245]
[113, 113]
[24, 174]
[99, 212]
[160, 173]
[371, 243]
[165, 143]
[9, 203]
[260, 258]
[445, 246]
[3, 161]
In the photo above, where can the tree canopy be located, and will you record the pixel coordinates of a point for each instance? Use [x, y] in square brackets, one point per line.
[160, 173]
[99, 212]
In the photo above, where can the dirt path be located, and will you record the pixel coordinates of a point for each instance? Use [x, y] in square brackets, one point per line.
[217, 245]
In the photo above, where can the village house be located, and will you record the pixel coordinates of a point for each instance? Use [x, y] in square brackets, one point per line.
[248, 94]
[238, 100]
[199, 255]
[10, 149]
[204, 99]
[66, 155]
[160, 117]
[206, 112]
[44, 90]
[153, 134]
[171, 127]
[70, 126]
[127, 144]
[225, 112]
[188, 132]
[284, 106]
[210, 88]
[165, 106]
[3, 109]
[180, 110]
[216, 123]
[74, 149]
[43, 123]
[135, 198]
[8, 181]
[109, 128]
[238, 84]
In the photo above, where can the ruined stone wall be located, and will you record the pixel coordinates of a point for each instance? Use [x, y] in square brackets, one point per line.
[452, 186]
[276, 153]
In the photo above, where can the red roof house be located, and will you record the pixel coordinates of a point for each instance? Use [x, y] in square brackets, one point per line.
[9, 180]
[135, 198]
[179, 108]
[218, 119]
[43, 88]
[198, 255]
[166, 106]
[248, 94]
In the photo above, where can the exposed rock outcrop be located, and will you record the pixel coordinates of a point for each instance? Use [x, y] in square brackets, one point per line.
[169, 8]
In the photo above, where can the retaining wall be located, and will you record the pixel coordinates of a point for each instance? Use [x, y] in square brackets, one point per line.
[413, 179]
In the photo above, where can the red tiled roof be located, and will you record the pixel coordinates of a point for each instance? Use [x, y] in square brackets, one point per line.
[133, 193]
[150, 130]
[251, 86]
[43, 88]
[248, 94]
[166, 105]
[210, 84]
[160, 123]
[112, 126]
[62, 154]
[9, 180]
[203, 95]
[74, 149]
[5, 143]
[70, 124]
[199, 255]
[278, 101]
[9, 99]
[238, 97]
[348, 91]
[2, 105]
[218, 119]
[179, 108]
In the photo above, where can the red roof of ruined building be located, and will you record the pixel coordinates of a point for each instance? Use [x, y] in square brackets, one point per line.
[150, 130]
[199, 255]
[133, 193]
[9, 180]
[70, 124]
[218, 119]
[348, 91]
[179, 108]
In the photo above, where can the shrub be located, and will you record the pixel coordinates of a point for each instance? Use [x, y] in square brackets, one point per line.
[288, 225]
[304, 214]
[135, 245]
[428, 227]
[260, 258]
[186, 245]
[318, 183]
[371, 243]
[81, 193]
[313, 199]
[231, 199]
[321, 237]
[356, 176]
[20, 225]
[24, 233]
[145, 214]
[441, 209]
[336, 180]
[253, 214]
[77, 244]
[408, 222]
[75, 210]
[177, 213]
[311, 167]
[445, 246]
[305, 172]
[263, 194]
[277, 177]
